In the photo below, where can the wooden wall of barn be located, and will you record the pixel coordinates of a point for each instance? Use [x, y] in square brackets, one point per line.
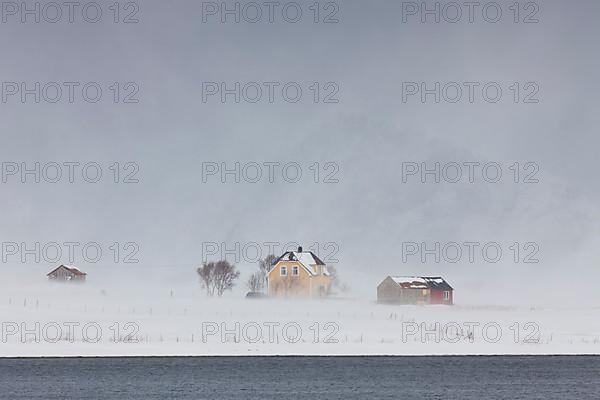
[389, 291]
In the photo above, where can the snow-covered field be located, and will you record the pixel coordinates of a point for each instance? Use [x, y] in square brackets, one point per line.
[49, 319]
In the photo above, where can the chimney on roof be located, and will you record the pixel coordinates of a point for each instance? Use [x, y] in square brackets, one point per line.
[299, 249]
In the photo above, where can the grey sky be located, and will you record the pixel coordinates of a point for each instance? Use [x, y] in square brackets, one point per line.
[369, 133]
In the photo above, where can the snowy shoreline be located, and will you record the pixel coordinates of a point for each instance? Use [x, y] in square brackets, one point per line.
[149, 319]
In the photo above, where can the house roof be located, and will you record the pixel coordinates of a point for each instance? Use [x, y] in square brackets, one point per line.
[306, 258]
[422, 282]
[71, 268]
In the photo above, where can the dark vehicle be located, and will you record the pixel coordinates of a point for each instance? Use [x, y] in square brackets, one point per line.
[256, 295]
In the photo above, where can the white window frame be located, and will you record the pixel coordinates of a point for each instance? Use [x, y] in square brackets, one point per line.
[295, 270]
[446, 295]
[283, 270]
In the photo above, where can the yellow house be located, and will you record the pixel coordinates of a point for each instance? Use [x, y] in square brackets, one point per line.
[299, 274]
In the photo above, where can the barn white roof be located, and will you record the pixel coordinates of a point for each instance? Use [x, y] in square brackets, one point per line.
[415, 282]
[421, 282]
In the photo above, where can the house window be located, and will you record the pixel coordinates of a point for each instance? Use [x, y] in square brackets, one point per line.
[283, 271]
[295, 271]
[446, 295]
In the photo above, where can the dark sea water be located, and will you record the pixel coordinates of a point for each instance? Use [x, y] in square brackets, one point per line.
[495, 377]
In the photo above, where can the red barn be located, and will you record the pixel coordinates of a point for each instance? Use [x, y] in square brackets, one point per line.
[415, 290]
[67, 273]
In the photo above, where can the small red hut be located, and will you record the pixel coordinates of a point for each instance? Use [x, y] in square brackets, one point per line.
[67, 273]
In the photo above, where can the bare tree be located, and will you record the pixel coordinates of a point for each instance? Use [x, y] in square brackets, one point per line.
[335, 280]
[225, 276]
[333, 275]
[256, 282]
[217, 277]
[206, 273]
[267, 263]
